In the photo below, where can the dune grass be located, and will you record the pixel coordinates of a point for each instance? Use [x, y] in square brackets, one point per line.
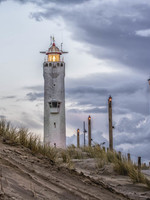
[21, 136]
[121, 165]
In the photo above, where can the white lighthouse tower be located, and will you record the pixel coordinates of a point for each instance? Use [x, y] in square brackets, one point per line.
[54, 97]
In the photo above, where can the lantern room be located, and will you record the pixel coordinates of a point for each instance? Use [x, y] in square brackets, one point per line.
[53, 58]
[53, 53]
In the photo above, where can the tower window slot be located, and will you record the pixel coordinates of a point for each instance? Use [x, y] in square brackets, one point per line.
[54, 104]
[61, 64]
[54, 84]
[54, 124]
[45, 64]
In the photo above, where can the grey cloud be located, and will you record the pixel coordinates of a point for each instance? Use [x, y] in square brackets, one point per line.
[92, 110]
[32, 96]
[2, 109]
[47, 2]
[130, 130]
[2, 116]
[109, 29]
[30, 122]
[130, 94]
[8, 97]
[96, 110]
[35, 88]
[97, 138]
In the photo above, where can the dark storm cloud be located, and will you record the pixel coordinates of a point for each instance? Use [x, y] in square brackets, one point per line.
[130, 94]
[32, 96]
[109, 28]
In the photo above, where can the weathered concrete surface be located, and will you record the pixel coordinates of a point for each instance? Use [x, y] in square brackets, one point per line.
[24, 176]
[54, 89]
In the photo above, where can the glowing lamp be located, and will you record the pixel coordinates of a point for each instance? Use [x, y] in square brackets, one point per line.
[89, 118]
[110, 99]
[78, 130]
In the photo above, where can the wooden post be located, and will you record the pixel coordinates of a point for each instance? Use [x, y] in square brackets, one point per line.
[139, 163]
[149, 165]
[84, 131]
[89, 131]
[110, 123]
[129, 158]
[78, 138]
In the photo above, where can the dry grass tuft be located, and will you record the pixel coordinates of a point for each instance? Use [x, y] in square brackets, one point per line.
[21, 136]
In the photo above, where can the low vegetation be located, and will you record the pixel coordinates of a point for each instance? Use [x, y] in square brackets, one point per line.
[21, 136]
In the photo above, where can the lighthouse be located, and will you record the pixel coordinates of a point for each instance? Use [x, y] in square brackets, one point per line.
[54, 97]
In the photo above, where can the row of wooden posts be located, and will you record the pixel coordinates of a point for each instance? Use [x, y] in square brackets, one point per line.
[89, 128]
[110, 134]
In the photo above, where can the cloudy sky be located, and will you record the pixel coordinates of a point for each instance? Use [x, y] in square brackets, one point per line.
[109, 46]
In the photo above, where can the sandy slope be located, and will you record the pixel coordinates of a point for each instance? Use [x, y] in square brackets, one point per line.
[107, 176]
[25, 176]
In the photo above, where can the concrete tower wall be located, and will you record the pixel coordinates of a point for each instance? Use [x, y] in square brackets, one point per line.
[54, 91]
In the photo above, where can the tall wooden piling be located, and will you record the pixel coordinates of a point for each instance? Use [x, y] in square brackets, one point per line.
[89, 131]
[110, 123]
[139, 163]
[129, 157]
[84, 131]
[78, 138]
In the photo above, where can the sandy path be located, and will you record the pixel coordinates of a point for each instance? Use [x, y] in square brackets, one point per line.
[24, 176]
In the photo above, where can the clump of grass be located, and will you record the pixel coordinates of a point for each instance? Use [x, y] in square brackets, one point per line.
[71, 153]
[144, 167]
[74, 153]
[21, 136]
[65, 157]
[120, 163]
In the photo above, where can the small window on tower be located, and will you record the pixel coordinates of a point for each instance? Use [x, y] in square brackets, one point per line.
[54, 104]
[54, 124]
[61, 64]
